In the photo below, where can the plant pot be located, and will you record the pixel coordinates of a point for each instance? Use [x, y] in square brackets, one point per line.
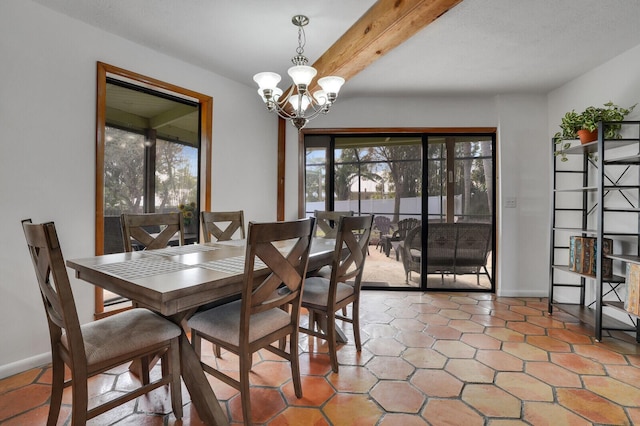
[587, 136]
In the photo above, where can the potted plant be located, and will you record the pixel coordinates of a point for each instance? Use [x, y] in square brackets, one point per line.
[584, 125]
[188, 216]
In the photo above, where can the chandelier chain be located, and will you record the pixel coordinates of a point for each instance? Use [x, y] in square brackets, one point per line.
[302, 41]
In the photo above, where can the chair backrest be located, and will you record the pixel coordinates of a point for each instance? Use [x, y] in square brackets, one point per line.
[382, 224]
[350, 253]
[442, 239]
[140, 227]
[55, 288]
[213, 223]
[113, 241]
[404, 226]
[327, 222]
[474, 243]
[287, 262]
[412, 249]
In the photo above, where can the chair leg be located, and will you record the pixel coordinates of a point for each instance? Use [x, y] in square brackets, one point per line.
[173, 365]
[196, 343]
[245, 396]
[295, 363]
[164, 364]
[144, 369]
[216, 351]
[312, 320]
[282, 343]
[57, 386]
[331, 339]
[355, 318]
[79, 398]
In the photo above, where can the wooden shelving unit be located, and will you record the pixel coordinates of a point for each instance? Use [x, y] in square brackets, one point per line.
[596, 193]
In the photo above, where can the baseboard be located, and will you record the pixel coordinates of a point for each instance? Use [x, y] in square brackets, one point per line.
[24, 365]
[523, 293]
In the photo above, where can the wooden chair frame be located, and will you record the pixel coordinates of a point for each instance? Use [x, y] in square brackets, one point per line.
[135, 228]
[266, 295]
[327, 222]
[211, 220]
[68, 345]
[350, 253]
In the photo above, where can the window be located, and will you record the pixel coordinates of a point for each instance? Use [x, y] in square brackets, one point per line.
[153, 146]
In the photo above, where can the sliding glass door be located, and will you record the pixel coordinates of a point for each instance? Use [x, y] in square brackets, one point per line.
[460, 188]
[386, 175]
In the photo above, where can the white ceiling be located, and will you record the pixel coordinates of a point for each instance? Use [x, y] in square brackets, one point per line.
[482, 47]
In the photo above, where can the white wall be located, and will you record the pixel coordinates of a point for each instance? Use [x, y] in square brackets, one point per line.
[47, 134]
[617, 80]
[522, 144]
[47, 121]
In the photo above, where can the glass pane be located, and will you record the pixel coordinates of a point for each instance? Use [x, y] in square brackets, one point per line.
[123, 180]
[437, 182]
[382, 176]
[346, 179]
[315, 179]
[176, 185]
[472, 194]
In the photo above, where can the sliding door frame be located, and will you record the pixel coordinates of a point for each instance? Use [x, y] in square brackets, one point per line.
[425, 132]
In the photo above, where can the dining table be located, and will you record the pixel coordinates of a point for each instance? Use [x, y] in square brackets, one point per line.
[175, 282]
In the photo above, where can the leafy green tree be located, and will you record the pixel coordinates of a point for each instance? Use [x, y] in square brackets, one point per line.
[405, 168]
[125, 170]
[123, 180]
[352, 165]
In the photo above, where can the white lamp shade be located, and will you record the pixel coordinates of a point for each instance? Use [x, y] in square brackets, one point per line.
[293, 100]
[331, 84]
[267, 80]
[277, 92]
[321, 97]
[302, 74]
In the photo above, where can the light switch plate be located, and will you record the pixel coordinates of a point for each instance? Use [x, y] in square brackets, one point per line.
[510, 202]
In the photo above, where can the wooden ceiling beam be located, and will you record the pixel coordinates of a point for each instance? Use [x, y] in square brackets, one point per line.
[386, 25]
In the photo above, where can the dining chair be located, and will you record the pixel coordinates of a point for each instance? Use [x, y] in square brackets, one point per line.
[327, 222]
[258, 319]
[222, 225]
[99, 346]
[151, 230]
[323, 297]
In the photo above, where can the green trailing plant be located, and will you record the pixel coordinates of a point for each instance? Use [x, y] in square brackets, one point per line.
[588, 120]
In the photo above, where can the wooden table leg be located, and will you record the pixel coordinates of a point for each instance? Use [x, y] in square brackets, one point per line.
[340, 336]
[202, 396]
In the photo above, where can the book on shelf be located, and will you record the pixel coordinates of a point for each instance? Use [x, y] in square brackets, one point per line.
[632, 303]
[582, 255]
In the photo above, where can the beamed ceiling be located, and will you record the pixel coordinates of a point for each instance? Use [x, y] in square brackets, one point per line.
[385, 47]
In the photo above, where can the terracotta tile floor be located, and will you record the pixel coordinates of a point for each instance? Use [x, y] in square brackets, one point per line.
[436, 358]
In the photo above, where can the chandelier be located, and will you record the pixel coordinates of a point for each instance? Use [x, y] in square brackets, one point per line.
[298, 105]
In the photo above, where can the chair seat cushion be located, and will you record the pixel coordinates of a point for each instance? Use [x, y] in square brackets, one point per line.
[223, 322]
[124, 333]
[316, 291]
